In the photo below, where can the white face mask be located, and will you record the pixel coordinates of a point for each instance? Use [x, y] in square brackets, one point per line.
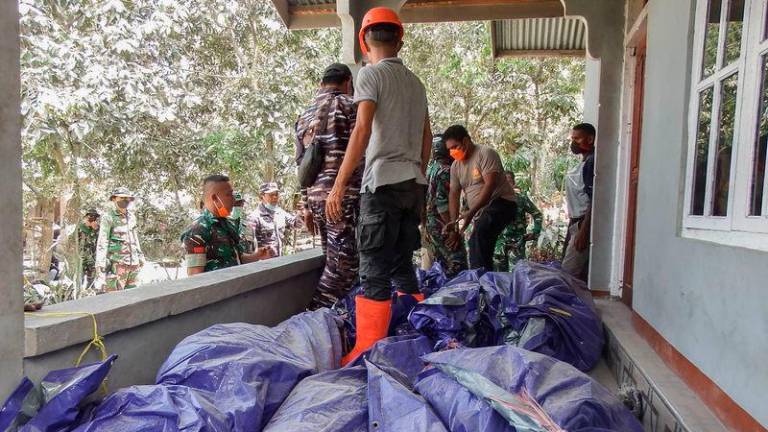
[237, 212]
[270, 206]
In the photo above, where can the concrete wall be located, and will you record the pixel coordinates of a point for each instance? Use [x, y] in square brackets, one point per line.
[11, 300]
[707, 300]
[143, 332]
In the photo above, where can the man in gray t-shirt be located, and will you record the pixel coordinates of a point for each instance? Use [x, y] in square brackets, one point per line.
[392, 130]
[477, 171]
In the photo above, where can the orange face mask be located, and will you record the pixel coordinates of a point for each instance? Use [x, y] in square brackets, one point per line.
[458, 154]
[220, 211]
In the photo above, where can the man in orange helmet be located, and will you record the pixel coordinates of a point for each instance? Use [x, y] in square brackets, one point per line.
[393, 132]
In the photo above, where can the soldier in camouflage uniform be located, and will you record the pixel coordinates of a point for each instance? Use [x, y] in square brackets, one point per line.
[438, 187]
[270, 222]
[214, 241]
[87, 237]
[510, 246]
[329, 122]
[118, 252]
[238, 219]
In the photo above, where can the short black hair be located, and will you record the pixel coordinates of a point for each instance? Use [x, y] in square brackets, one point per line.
[215, 178]
[336, 73]
[455, 132]
[385, 33]
[586, 128]
[335, 79]
[212, 179]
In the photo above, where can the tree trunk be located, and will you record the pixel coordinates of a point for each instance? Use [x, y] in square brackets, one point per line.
[42, 249]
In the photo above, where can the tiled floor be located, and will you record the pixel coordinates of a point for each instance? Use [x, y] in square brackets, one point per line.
[604, 375]
[668, 404]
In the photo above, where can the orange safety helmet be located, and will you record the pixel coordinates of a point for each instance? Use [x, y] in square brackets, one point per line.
[378, 15]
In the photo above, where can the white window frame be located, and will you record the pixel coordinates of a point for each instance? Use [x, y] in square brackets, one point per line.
[736, 229]
[757, 49]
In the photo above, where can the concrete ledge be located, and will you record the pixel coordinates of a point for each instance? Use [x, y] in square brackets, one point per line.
[669, 404]
[124, 310]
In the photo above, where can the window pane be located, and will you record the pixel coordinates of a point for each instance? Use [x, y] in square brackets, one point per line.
[765, 29]
[758, 161]
[711, 35]
[724, 145]
[733, 31]
[702, 152]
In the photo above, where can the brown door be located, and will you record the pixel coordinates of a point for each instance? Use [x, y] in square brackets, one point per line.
[634, 172]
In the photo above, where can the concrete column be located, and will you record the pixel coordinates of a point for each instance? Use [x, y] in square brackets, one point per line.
[592, 91]
[11, 297]
[605, 47]
[351, 13]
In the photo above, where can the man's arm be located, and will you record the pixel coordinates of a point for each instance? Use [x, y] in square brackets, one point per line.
[537, 217]
[588, 176]
[426, 145]
[454, 196]
[490, 181]
[358, 142]
[582, 237]
[139, 251]
[195, 256]
[261, 253]
[103, 242]
[442, 198]
[195, 270]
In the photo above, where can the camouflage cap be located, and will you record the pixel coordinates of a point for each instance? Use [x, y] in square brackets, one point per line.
[238, 197]
[269, 187]
[121, 192]
[92, 212]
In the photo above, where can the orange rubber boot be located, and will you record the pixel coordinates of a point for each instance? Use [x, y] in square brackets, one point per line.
[418, 296]
[372, 323]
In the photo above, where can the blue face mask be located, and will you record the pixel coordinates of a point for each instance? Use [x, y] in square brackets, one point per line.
[269, 206]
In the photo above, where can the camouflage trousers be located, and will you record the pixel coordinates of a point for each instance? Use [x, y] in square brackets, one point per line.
[506, 255]
[339, 243]
[121, 277]
[452, 261]
[89, 270]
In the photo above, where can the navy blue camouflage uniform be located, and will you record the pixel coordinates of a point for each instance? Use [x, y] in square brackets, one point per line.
[329, 122]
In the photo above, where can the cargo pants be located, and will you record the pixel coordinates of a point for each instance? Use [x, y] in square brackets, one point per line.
[388, 234]
[340, 247]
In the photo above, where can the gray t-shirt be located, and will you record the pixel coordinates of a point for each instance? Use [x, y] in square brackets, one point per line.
[394, 150]
[468, 174]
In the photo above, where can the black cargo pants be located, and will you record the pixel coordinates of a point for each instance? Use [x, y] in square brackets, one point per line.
[487, 227]
[388, 234]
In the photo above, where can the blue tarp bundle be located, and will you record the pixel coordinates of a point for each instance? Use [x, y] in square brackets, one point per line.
[239, 377]
[229, 377]
[57, 403]
[503, 376]
[536, 307]
[402, 386]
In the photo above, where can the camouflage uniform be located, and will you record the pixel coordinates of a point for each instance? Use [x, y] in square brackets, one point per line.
[213, 243]
[510, 246]
[329, 123]
[438, 188]
[87, 238]
[239, 221]
[269, 227]
[118, 250]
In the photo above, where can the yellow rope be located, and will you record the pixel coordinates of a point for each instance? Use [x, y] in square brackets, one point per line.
[96, 339]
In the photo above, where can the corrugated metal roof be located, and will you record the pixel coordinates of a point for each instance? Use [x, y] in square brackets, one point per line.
[311, 2]
[538, 35]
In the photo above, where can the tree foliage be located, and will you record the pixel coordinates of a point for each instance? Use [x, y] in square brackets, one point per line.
[523, 107]
[157, 94]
